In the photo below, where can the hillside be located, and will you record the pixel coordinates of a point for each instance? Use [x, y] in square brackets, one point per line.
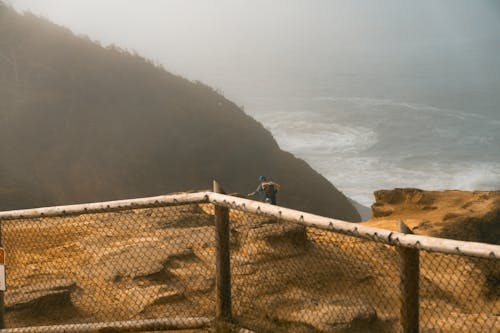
[80, 122]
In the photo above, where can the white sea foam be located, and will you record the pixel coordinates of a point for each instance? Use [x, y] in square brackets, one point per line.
[300, 132]
[481, 176]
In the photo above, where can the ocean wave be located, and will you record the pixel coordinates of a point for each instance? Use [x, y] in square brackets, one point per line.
[359, 177]
[482, 176]
[298, 133]
[370, 101]
[398, 106]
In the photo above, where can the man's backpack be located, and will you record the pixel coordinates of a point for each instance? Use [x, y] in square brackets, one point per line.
[270, 188]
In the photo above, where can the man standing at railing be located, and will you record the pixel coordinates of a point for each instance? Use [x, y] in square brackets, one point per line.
[266, 190]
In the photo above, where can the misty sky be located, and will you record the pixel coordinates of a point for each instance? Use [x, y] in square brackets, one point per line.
[233, 44]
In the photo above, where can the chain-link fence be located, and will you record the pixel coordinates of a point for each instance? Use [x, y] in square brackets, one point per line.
[459, 293]
[296, 272]
[153, 264]
[288, 278]
[291, 278]
[138, 267]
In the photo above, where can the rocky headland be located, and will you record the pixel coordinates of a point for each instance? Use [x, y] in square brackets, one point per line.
[462, 215]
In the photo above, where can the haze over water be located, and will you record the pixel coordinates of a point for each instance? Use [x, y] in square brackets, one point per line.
[372, 94]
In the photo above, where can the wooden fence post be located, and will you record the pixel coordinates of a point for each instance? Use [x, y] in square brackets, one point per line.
[409, 280]
[222, 266]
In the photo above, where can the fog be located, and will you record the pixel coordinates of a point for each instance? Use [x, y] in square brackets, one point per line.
[234, 45]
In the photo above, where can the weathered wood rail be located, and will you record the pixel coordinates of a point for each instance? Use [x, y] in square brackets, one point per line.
[441, 245]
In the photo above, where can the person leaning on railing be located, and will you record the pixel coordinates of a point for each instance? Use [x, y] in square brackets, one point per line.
[266, 190]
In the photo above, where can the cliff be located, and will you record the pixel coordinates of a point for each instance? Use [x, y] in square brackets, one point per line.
[80, 122]
[462, 215]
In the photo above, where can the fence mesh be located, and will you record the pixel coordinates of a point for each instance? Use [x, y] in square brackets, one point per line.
[139, 264]
[101, 267]
[459, 294]
[289, 278]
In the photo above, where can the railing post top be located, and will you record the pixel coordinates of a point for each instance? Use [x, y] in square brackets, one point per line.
[217, 188]
[403, 228]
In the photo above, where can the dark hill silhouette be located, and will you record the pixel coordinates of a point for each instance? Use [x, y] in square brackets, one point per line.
[80, 122]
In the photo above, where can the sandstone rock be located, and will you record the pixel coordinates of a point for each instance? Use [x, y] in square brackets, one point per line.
[334, 317]
[133, 258]
[42, 304]
[462, 215]
[29, 294]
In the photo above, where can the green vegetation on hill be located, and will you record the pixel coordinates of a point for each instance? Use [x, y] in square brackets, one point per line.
[80, 122]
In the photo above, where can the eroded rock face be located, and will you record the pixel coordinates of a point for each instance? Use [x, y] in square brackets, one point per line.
[38, 304]
[461, 215]
[328, 317]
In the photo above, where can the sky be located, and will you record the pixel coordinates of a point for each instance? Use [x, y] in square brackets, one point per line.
[225, 43]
